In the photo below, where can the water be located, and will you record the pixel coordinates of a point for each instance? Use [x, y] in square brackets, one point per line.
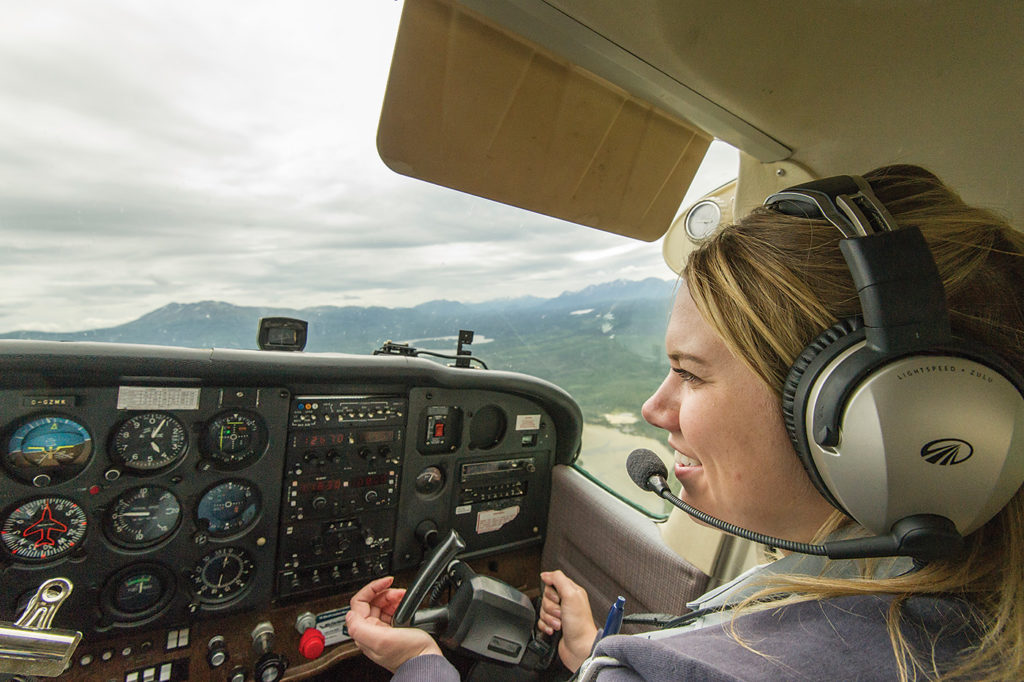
[604, 456]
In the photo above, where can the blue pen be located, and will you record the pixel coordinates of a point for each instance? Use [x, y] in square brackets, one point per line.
[614, 620]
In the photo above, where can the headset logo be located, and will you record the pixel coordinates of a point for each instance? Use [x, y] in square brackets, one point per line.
[947, 451]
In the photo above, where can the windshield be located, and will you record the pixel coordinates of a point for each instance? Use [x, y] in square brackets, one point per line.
[169, 173]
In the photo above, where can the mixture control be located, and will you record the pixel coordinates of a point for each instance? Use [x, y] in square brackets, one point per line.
[270, 666]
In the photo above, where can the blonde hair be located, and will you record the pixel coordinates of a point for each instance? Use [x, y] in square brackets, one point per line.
[770, 283]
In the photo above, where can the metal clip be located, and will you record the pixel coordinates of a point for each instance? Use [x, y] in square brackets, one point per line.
[29, 646]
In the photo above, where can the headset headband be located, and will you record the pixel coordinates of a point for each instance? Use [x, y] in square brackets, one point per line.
[901, 294]
[846, 201]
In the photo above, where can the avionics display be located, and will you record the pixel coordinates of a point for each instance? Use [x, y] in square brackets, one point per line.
[341, 491]
[326, 439]
[323, 485]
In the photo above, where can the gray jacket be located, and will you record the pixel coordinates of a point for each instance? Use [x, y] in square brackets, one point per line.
[843, 638]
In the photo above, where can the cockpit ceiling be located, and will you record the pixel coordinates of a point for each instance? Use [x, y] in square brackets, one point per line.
[835, 87]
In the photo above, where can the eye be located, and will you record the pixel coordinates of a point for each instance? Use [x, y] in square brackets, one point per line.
[687, 376]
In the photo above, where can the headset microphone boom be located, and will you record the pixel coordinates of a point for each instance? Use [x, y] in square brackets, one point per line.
[923, 537]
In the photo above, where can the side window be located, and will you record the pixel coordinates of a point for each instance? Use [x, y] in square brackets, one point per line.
[628, 363]
[603, 458]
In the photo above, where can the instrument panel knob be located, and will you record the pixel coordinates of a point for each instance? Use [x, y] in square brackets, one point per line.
[216, 651]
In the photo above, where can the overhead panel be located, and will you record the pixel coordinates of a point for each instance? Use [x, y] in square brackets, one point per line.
[473, 107]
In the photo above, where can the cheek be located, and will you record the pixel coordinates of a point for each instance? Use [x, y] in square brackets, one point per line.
[753, 444]
[778, 462]
[704, 423]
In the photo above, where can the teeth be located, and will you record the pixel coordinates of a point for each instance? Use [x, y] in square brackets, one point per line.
[685, 461]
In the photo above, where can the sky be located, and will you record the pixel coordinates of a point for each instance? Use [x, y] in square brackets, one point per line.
[213, 150]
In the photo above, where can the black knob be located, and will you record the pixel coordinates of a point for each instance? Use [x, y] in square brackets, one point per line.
[427, 534]
[319, 502]
[270, 667]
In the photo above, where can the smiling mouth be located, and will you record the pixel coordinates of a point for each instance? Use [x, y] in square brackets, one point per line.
[684, 461]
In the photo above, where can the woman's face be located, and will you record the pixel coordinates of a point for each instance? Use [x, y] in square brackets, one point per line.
[733, 455]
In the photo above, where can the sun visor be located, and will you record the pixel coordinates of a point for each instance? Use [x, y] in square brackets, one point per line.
[479, 109]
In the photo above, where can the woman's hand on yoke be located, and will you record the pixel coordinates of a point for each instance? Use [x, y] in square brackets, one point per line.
[566, 607]
[369, 625]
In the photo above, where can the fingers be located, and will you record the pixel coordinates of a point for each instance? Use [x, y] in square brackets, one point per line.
[383, 644]
[565, 606]
[548, 622]
[369, 592]
[548, 627]
[389, 601]
[563, 584]
[560, 592]
[550, 615]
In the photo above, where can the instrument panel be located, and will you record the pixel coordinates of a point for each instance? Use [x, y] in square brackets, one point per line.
[203, 484]
[159, 500]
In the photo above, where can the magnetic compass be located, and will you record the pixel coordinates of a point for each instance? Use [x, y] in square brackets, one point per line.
[43, 529]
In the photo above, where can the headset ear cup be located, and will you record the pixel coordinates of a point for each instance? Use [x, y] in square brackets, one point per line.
[827, 345]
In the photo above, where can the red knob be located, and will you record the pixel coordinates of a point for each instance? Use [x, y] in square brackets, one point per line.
[311, 643]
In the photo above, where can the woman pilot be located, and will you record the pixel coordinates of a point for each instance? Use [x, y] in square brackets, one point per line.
[754, 300]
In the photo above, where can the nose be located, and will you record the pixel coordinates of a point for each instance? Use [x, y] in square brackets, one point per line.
[662, 408]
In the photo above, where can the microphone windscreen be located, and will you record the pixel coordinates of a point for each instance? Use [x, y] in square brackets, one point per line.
[642, 464]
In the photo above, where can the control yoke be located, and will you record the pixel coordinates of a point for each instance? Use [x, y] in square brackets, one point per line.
[485, 617]
[29, 646]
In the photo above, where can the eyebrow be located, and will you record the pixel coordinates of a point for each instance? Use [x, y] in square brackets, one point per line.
[686, 357]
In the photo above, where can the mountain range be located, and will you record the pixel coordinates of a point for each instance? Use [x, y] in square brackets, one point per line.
[603, 344]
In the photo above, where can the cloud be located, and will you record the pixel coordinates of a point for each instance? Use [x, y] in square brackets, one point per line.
[161, 152]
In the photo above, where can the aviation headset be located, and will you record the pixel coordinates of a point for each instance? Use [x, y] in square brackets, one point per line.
[898, 422]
